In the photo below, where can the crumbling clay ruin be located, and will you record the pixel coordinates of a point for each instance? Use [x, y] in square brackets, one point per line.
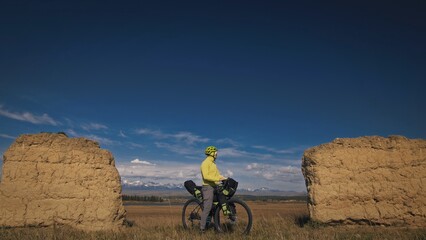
[367, 180]
[50, 179]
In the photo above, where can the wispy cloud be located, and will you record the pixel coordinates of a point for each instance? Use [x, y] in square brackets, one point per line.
[229, 173]
[182, 143]
[275, 173]
[93, 126]
[163, 171]
[259, 175]
[68, 122]
[135, 145]
[143, 162]
[29, 117]
[232, 152]
[99, 139]
[279, 151]
[176, 148]
[121, 134]
[229, 141]
[186, 137]
[255, 166]
[154, 133]
[236, 153]
[7, 136]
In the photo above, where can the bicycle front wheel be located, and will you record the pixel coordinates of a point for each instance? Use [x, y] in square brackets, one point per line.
[240, 221]
[191, 214]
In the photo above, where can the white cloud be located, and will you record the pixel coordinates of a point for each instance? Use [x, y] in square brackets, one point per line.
[177, 148]
[183, 142]
[121, 134]
[154, 133]
[69, 122]
[186, 137]
[162, 171]
[229, 173]
[29, 117]
[93, 126]
[72, 133]
[135, 145]
[137, 161]
[275, 173]
[253, 166]
[235, 153]
[272, 176]
[268, 175]
[232, 152]
[229, 141]
[7, 136]
[101, 140]
[289, 169]
[280, 151]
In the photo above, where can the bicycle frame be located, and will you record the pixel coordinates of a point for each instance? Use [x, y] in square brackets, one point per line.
[236, 216]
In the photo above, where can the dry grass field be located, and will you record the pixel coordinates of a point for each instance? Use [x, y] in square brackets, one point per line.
[271, 221]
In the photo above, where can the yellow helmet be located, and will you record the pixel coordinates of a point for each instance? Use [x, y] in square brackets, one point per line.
[210, 150]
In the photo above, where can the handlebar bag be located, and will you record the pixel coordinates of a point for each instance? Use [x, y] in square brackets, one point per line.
[229, 187]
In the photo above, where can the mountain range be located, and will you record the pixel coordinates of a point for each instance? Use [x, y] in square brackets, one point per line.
[138, 187]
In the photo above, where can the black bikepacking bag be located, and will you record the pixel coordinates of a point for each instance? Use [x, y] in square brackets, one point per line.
[229, 187]
[193, 189]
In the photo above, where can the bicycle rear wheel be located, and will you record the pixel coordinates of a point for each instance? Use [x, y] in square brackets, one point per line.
[191, 214]
[240, 221]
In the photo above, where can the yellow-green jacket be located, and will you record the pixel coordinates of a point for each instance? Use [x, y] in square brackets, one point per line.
[209, 172]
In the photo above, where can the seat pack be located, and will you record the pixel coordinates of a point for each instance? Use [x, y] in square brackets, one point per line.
[193, 189]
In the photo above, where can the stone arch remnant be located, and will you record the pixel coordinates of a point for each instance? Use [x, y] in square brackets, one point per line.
[50, 179]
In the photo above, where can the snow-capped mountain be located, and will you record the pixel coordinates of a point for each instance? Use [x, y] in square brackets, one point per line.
[136, 184]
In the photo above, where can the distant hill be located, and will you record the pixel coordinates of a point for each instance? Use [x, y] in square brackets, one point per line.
[158, 189]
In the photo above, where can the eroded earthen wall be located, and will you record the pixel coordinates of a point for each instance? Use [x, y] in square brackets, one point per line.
[371, 180]
[52, 179]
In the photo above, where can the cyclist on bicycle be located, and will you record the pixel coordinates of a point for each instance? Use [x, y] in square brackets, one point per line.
[211, 178]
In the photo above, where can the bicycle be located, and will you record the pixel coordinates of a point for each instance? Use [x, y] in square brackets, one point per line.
[240, 220]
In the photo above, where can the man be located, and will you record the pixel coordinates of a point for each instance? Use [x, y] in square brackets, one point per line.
[211, 177]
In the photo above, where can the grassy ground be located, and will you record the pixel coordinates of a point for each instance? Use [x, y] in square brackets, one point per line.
[271, 221]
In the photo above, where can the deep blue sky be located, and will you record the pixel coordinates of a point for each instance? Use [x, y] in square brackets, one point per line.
[262, 80]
